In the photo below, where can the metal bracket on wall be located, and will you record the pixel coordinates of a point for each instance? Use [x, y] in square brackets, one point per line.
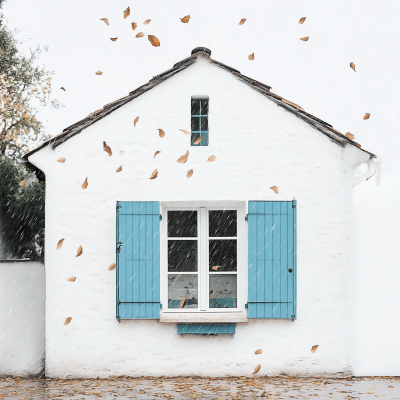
[246, 217]
[119, 245]
[293, 318]
[160, 217]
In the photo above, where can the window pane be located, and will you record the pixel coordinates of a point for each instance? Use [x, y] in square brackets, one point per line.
[195, 107]
[182, 291]
[194, 137]
[182, 223]
[195, 124]
[182, 255]
[204, 124]
[223, 254]
[222, 223]
[223, 291]
[204, 107]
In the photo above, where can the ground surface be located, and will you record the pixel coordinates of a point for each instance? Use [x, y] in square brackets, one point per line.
[201, 388]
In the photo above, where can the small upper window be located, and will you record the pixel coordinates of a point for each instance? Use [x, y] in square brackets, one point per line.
[199, 121]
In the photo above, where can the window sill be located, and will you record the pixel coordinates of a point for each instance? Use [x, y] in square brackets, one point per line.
[203, 317]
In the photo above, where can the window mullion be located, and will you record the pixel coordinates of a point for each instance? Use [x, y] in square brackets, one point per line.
[203, 270]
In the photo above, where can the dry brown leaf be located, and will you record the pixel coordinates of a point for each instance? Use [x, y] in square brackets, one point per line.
[62, 88]
[112, 266]
[134, 25]
[72, 279]
[135, 121]
[391, 387]
[107, 148]
[185, 132]
[154, 174]
[353, 66]
[67, 321]
[99, 72]
[157, 152]
[79, 252]
[305, 38]
[140, 34]
[114, 39]
[212, 158]
[22, 183]
[105, 20]
[153, 40]
[189, 174]
[184, 158]
[302, 20]
[198, 140]
[85, 184]
[146, 22]
[251, 56]
[349, 135]
[185, 20]
[275, 189]
[182, 303]
[119, 169]
[366, 116]
[127, 12]
[259, 351]
[161, 133]
[257, 368]
[62, 160]
[314, 348]
[59, 244]
[215, 267]
[242, 21]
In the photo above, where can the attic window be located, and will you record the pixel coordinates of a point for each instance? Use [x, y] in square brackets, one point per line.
[199, 115]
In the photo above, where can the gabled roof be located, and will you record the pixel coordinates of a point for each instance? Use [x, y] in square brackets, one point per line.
[72, 130]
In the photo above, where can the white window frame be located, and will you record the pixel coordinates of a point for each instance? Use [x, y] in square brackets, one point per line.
[203, 313]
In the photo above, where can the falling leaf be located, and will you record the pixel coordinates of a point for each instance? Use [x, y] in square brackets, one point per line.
[349, 135]
[107, 148]
[119, 169]
[112, 266]
[161, 133]
[99, 73]
[275, 189]
[22, 183]
[302, 20]
[154, 174]
[314, 348]
[242, 21]
[182, 303]
[153, 40]
[353, 66]
[251, 56]
[72, 279]
[185, 132]
[183, 159]
[62, 160]
[134, 25]
[198, 140]
[391, 387]
[185, 20]
[140, 34]
[305, 38]
[212, 158]
[85, 184]
[189, 174]
[105, 20]
[366, 116]
[63, 88]
[215, 267]
[135, 121]
[146, 22]
[257, 368]
[127, 12]
[67, 321]
[259, 351]
[79, 252]
[59, 244]
[157, 152]
[114, 39]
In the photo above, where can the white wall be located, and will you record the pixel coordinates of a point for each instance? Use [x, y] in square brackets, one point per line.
[22, 302]
[258, 144]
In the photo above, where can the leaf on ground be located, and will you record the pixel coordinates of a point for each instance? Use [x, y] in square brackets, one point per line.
[153, 40]
[257, 368]
[242, 21]
[154, 174]
[366, 116]
[161, 133]
[184, 158]
[349, 135]
[215, 267]
[259, 351]
[135, 121]
[22, 183]
[62, 88]
[105, 20]
[127, 12]
[79, 252]
[314, 348]
[140, 34]
[112, 266]
[185, 20]
[67, 321]
[185, 131]
[189, 174]
[134, 25]
[182, 303]
[146, 22]
[353, 66]
[59, 244]
[107, 148]
[157, 152]
[99, 72]
[62, 160]
[275, 189]
[305, 38]
[212, 158]
[72, 279]
[119, 169]
[251, 56]
[114, 39]
[198, 140]
[85, 184]
[302, 20]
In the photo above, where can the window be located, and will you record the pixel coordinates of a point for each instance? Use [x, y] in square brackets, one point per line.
[199, 120]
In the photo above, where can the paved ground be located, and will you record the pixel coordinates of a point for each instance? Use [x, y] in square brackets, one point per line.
[201, 388]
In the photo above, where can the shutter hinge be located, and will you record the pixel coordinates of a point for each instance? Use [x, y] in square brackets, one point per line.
[246, 217]
[119, 245]
[160, 305]
[246, 306]
[118, 207]
[293, 317]
[294, 203]
[160, 217]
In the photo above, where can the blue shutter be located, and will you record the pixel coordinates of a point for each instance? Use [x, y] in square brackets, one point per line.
[138, 260]
[272, 255]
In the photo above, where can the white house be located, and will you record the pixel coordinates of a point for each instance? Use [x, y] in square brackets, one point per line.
[238, 243]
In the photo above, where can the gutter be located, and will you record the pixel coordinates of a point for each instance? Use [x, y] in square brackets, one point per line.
[373, 169]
